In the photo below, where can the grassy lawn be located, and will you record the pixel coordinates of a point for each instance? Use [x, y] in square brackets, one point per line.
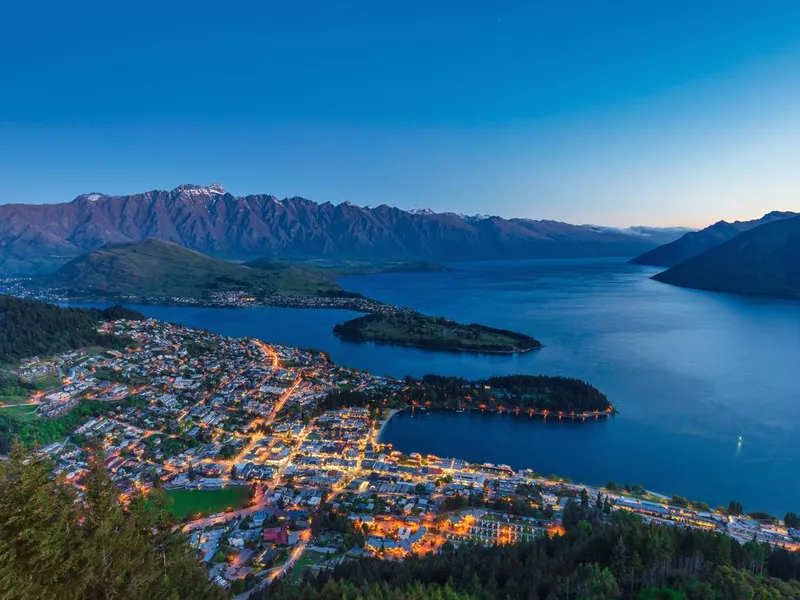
[186, 503]
[20, 413]
[48, 382]
[12, 389]
[9, 400]
[306, 560]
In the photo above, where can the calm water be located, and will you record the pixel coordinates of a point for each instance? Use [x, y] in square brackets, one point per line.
[689, 371]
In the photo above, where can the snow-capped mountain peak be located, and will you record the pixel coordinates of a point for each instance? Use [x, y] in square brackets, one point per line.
[190, 189]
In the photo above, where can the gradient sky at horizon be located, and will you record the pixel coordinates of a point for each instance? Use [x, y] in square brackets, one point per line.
[615, 113]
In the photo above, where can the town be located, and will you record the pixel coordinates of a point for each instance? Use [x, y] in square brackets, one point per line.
[24, 287]
[271, 474]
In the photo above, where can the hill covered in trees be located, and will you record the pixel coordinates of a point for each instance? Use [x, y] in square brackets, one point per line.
[408, 328]
[55, 545]
[762, 261]
[30, 327]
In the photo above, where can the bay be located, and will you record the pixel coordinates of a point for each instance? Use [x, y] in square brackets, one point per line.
[690, 372]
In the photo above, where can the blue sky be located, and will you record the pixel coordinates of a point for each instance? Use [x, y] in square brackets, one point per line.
[614, 112]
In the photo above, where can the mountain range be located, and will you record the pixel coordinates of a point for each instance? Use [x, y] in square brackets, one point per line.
[37, 239]
[764, 260]
[695, 243]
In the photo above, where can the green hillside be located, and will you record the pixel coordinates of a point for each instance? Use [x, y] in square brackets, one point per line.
[300, 271]
[155, 268]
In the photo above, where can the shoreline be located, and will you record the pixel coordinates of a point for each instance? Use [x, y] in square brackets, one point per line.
[517, 412]
[236, 300]
[544, 414]
[381, 424]
[385, 421]
[432, 349]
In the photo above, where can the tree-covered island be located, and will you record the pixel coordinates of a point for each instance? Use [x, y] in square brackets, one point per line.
[409, 328]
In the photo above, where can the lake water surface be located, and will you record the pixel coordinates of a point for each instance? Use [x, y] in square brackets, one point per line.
[689, 371]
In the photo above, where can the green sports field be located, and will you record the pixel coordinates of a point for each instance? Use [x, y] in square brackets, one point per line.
[185, 503]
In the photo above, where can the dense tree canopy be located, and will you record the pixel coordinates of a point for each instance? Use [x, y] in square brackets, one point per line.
[13, 386]
[526, 392]
[57, 545]
[29, 327]
[408, 328]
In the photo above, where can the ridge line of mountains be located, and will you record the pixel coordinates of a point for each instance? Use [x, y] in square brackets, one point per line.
[763, 260]
[750, 257]
[694, 243]
[37, 239]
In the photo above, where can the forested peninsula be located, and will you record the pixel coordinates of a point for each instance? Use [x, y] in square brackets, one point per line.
[524, 394]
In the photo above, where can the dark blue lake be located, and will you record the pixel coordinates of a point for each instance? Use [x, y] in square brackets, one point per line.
[690, 372]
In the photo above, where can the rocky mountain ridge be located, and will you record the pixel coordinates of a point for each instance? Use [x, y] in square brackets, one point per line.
[37, 239]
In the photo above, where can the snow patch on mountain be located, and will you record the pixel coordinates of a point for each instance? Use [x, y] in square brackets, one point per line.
[192, 190]
[476, 217]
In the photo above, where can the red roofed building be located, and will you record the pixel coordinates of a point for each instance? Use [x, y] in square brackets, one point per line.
[278, 535]
[113, 463]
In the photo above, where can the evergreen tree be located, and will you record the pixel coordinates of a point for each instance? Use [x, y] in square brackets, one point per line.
[619, 559]
[55, 544]
[584, 500]
[38, 523]
[735, 508]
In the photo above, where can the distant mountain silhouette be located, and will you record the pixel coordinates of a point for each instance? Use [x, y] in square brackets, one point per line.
[763, 261]
[40, 238]
[696, 242]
